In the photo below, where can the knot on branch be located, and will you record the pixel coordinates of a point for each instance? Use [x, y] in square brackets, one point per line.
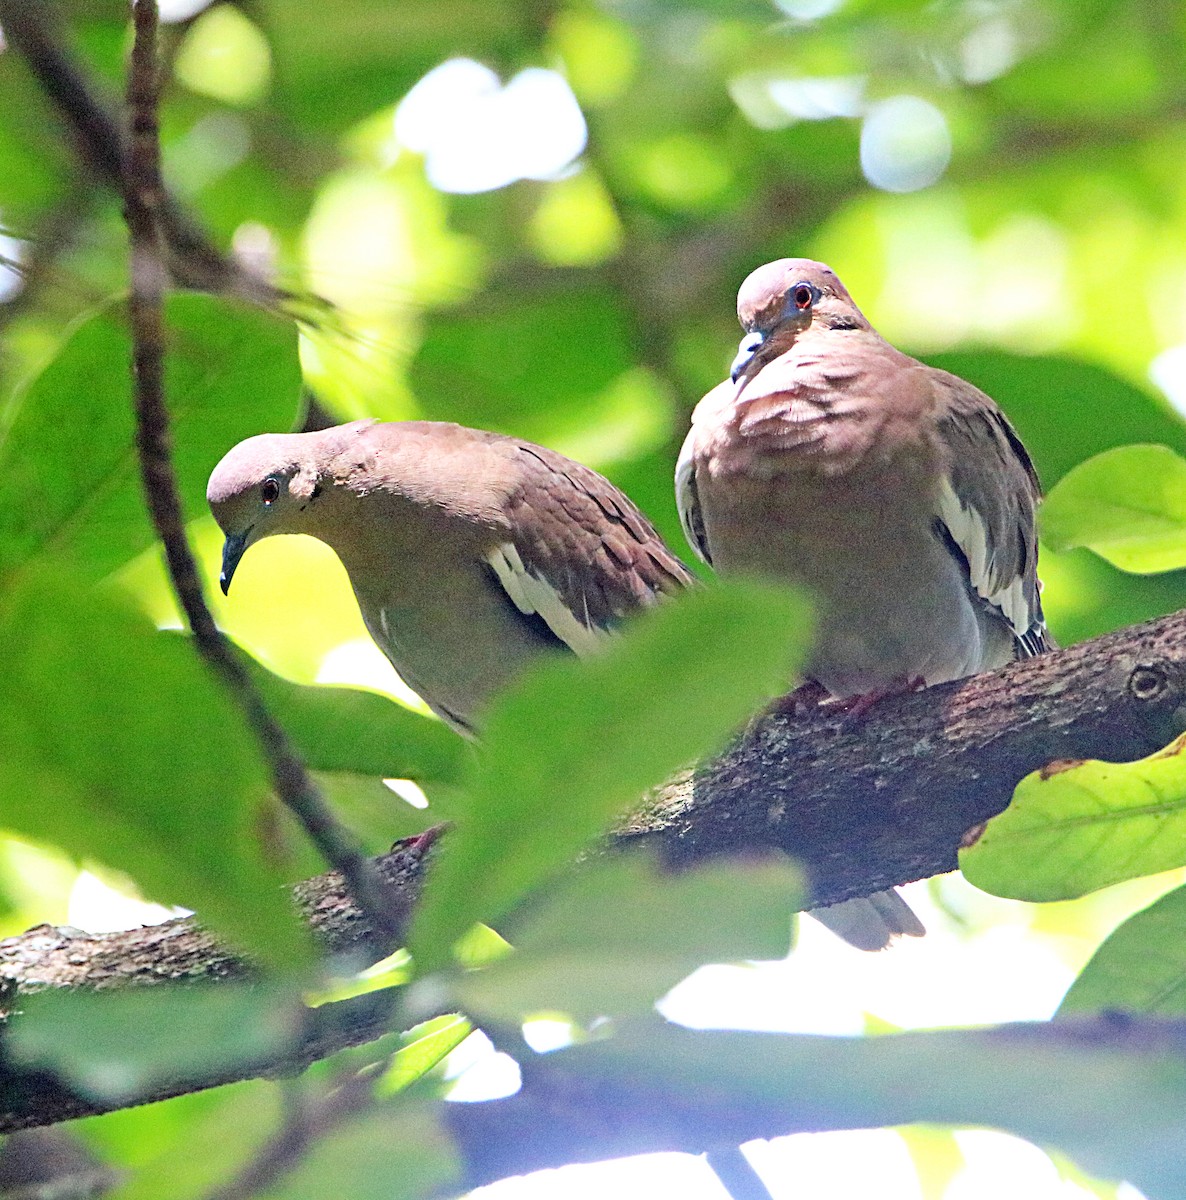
[1150, 683]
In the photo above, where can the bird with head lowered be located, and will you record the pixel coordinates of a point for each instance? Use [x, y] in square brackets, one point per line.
[469, 553]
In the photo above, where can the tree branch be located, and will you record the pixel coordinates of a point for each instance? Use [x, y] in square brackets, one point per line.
[309, 1119]
[143, 193]
[596, 1101]
[92, 118]
[861, 806]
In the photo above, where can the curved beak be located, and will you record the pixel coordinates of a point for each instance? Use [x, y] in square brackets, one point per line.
[232, 551]
[750, 345]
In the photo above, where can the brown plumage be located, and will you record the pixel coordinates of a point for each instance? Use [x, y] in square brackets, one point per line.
[898, 493]
[469, 553]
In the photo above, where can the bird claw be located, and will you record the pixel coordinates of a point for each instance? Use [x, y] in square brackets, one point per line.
[856, 707]
[804, 699]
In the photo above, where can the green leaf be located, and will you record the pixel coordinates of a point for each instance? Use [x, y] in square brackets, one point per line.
[619, 934]
[1075, 827]
[360, 732]
[214, 1132]
[69, 479]
[1140, 967]
[390, 1152]
[1067, 410]
[117, 744]
[576, 744]
[536, 363]
[1128, 505]
[425, 1047]
[380, 51]
[1114, 1105]
[188, 1033]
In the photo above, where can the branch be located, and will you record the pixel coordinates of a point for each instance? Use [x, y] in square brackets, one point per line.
[861, 806]
[596, 1101]
[91, 117]
[309, 1119]
[737, 1174]
[143, 191]
[872, 803]
[181, 952]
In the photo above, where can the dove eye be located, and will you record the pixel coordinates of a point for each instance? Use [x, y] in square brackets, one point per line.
[803, 296]
[269, 491]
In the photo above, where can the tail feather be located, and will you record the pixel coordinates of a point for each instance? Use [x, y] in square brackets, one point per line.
[871, 922]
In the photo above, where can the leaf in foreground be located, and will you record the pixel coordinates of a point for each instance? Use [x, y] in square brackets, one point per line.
[117, 744]
[393, 1151]
[116, 1046]
[620, 933]
[575, 744]
[1077, 827]
[1127, 504]
[69, 478]
[424, 1047]
[1139, 967]
[345, 729]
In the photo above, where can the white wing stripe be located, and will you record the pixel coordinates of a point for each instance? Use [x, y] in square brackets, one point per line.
[969, 532]
[685, 496]
[532, 595]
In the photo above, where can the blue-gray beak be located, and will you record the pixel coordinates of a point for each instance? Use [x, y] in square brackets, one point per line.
[232, 551]
[750, 344]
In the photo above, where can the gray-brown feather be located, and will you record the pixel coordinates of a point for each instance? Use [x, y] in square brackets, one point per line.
[470, 553]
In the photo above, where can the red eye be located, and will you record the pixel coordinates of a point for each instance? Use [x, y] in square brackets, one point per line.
[803, 296]
[270, 491]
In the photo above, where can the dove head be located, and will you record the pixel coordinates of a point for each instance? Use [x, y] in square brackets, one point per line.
[782, 299]
[268, 484]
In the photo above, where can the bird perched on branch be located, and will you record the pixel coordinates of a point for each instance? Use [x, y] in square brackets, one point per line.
[469, 553]
[898, 493]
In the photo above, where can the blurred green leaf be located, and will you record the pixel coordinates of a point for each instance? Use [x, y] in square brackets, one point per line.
[395, 1151]
[211, 1132]
[374, 812]
[619, 933]
[1127, 504]
[1066, 410]
[69, 480]
[1140, 967]
[366, 733]
[184, 1033]
[1113, 1105]
[575, 744]
[1079, 826]
[523, 362]
[379, 51]
[425, 1047]
[118, 744]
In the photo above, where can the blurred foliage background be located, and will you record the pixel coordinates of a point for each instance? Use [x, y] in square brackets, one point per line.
[532, 216]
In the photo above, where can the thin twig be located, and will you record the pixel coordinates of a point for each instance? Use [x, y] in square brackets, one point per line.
[305, 1122]
[737, 1174]
[143, 193]
[91, 117]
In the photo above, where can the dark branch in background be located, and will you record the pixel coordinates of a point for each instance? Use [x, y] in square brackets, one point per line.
[48, 243]
[33, 31]
[307, 1121]
[143, 192]
[737, 1174]
[861, 807]
[578, 1113]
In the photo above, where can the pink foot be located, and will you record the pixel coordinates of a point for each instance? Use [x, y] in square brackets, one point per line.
[856, 707]
[804, 699]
